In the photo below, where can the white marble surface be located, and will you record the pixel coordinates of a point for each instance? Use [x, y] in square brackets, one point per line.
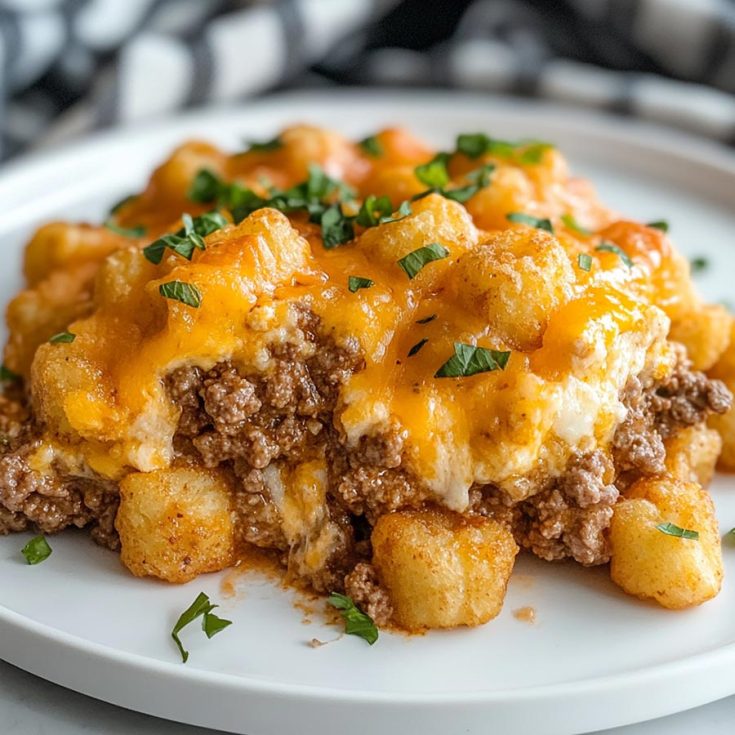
[31, 706]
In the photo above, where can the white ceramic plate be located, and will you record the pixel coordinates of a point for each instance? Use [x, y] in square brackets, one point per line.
[594, 659]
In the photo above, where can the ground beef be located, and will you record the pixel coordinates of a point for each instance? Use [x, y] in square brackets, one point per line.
[259, 521]
[657, 410]
[363, 586]
[569, 519]
[257, 418]
[50, 504]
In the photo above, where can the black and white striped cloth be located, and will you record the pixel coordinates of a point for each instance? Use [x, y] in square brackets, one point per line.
[68, 66]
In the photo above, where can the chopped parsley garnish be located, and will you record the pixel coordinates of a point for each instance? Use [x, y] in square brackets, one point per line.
[609, 247]
[337, 228]
[699, 264]
[36, 550]
[475, 145]
[265, 146]
[138, 231]
[356, 621]
[378, 210]
[479, 178]
[660, 224]
[355, 283]
[372, 146]
[62, 337]
[434, 173]
[470, 360]
[417, 347]
[571, 222]
[416, 260]
[181, 291]
[206, 186]
[436, 176]
[7, 375]
[584, 261]
[188, 238]
[527, 219]
[211, 624]
[426, 319]
[671, 529]
[115, 208]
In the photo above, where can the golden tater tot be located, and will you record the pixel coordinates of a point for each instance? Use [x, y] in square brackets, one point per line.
[441, 569]
[651, 564]
[175, 524]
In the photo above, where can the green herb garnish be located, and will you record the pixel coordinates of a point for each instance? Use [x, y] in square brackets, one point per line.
[181, 291]
[206, 186]
[609, 247]
[671, 529]
[470, 360]
[337, 228]
[62, 338]
[479, 178]
[138, 231]
[188, 238]
[115, 208]
[426, 319]
[570, 222]
[211, 624]
[417, 347]
[265, 146]
[699, 264]
[434, 173]
[416, 260]
[356, 621]
[584, 261]
[355, 283]
[527, 219]
[36, 550]
[7, 375]
[475, 145]
[372, 146]
[378, 211]
[660, 224]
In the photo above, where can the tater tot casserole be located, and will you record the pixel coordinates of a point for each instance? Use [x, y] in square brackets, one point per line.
[390, 368]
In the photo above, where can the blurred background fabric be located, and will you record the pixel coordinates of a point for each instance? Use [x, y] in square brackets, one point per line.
[70, 66]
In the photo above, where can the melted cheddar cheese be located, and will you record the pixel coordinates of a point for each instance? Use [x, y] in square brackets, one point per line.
[575, 336]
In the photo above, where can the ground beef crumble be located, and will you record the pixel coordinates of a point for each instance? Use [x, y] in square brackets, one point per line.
[657, 410]
[363, 586]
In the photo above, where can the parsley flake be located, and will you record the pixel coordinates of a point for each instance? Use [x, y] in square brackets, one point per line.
[671, 529]
[417, 259]
[62, 338]
[379, 210]
[372, 146]
[469, 360]
[337, 228]
[527, 219]
[426, 319]
[356, 621]
[699, 264]
[571, 223]
[138, 231]
[479, 178]
[181, 291]
[117, 206]
[205, 187]
[417, 347]
[265, 146]
[609, 247]
[211, 624]
[660, 224]
[475, 145]
[36, 550]
[188, 238]
[584, 261]
[355, 283]
[7, 375]
[434, 173]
